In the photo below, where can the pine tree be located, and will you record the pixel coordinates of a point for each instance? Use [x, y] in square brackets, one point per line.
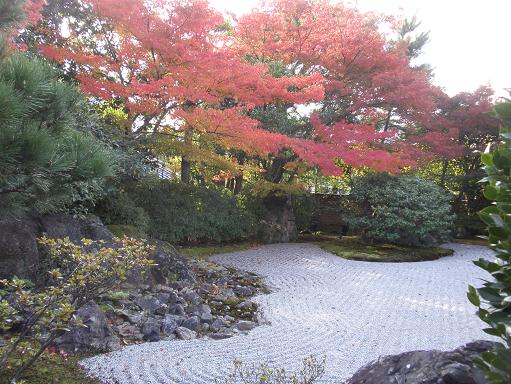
[46, 163]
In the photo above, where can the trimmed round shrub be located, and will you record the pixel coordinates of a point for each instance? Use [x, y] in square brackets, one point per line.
[403, 210]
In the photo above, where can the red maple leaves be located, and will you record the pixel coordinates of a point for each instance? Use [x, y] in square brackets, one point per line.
[175, 69]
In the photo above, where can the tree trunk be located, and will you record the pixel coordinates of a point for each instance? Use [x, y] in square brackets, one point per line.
[185, 170]
[238, 180]
[185, 163]
[276, 170]
[238, 184]
[444, 173]
[387, 120]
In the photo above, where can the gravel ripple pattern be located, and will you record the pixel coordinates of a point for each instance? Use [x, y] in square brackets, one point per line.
[352, 312]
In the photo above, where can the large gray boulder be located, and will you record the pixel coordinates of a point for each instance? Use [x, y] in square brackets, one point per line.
[278, 223]
[426, 367]
[94, 336]
[19, 253]
[170, 266]
[60, 226]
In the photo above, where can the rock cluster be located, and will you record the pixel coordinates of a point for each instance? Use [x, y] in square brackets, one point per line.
[215, 304]
[178, 298]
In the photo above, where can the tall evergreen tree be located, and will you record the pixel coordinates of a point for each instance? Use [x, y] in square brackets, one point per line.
[46, 163]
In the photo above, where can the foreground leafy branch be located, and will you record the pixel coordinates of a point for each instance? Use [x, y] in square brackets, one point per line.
[34, 317]
[493, 299]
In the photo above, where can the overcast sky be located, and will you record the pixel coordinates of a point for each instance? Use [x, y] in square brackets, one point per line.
[470, 40]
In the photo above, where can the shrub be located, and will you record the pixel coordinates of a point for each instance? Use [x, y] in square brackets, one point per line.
[404, 210]
[185, 213]
[493, 299]
[118, 208]
[304, 207]
[78, 273]
[312, 370]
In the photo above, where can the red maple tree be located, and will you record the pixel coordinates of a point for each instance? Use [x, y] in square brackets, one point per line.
[186, 78]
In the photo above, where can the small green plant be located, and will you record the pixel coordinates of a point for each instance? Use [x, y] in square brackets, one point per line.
[402, 210]
[34, 317]
[312, 370]
[493, 299]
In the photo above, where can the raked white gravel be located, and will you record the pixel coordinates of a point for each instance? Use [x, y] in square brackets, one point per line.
[352, 312]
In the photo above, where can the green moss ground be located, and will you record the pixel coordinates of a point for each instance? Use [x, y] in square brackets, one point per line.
[472, 241]
[353, 248]
[52, 369]
[203, 252]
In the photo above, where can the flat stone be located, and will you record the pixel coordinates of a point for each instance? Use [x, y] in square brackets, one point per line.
[245, 325]
[220, 336]
[185, 333]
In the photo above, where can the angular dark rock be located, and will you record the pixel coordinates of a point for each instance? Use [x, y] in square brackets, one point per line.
[169, 325]
[244, 291]
[177, 309]
[278, 224]
[426, 367]
[148, 303]
[60, 226]
[19, 253]
[191, 296]
[151, 330]
[96, 335]
[170, 266]
[163, 297]
[192, 323]
[218, 324]
[129, 331]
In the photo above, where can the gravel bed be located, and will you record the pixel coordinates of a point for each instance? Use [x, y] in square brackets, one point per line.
[352, 312]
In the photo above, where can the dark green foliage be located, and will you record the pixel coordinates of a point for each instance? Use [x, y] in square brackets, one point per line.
[11, 12]
[304, 207]
[117, 208]
[493, 299]
[404, 210]
[46, 163]
[184, 213]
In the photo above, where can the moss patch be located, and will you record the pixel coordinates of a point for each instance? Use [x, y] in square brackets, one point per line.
[203, 252]
[353, 249]
[472, 241]
[52, 369]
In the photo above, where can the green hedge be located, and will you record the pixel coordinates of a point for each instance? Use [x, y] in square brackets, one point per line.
[183, 213]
